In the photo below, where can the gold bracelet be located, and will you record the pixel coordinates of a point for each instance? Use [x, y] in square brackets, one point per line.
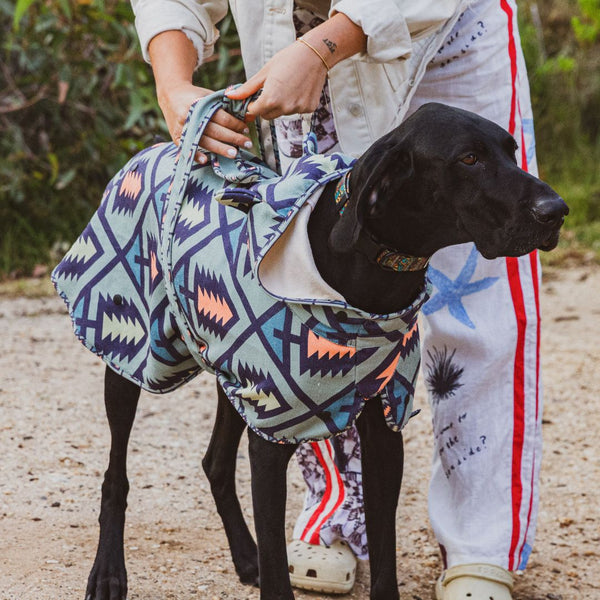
[314, 50]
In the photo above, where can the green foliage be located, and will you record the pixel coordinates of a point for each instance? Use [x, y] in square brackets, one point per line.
[563, 63]
[76, 102]
[587, 27]
[20, 10]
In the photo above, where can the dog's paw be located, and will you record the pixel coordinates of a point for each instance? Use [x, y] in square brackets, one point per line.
[249, 575]
[106, 586]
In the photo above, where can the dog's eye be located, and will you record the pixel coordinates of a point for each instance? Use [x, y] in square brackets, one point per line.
[469, 159]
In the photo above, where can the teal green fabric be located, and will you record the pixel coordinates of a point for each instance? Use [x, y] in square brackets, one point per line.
[163, 283]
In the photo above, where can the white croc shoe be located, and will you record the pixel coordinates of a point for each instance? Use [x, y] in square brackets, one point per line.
[477, 581]
[326, 569]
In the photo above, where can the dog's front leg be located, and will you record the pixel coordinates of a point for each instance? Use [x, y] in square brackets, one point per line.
[108, 578]
[268, 465]
[382, 463]
[219, 466]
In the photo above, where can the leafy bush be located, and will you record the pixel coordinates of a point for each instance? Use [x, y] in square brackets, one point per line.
[562, 50]
[76, 101]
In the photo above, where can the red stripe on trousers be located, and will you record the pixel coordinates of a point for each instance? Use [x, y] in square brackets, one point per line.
[512, 53]
[512, 267]
[533, 260]
[536, 291]
[516, 291]
[341, 495]
[315, 537]
[326, 495]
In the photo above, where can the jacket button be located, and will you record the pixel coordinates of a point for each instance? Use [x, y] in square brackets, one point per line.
[355, 110]
[118, 299]
[341, 316]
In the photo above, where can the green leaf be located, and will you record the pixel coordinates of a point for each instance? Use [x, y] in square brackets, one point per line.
[54, 166]
[66, 8]
[21, 8]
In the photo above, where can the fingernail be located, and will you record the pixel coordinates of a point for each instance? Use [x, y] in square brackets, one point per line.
[246, 130]
[248, 144]
[202, 159]
[231, 152]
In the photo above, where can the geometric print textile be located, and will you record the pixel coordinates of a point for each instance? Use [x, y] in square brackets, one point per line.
[164, 282]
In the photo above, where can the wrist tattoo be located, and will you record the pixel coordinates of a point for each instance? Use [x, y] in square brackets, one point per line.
[331, 46]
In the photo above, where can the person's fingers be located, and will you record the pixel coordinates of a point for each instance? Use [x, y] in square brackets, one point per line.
[269, 107]
[201, 158]
[222, 141]
[209, 144]
[255, 110]
[227, 137]
[247, 88]
[223, 135]
[230, 122]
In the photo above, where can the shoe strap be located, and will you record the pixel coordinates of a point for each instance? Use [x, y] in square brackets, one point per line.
[481, 571]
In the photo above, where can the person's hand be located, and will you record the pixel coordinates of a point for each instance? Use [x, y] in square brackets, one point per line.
[291, 83]
[224, 133]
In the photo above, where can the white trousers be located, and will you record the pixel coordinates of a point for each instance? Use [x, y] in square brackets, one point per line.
[481, 363]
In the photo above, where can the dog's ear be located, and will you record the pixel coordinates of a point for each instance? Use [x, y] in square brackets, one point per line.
[388, 181]
[375, 181]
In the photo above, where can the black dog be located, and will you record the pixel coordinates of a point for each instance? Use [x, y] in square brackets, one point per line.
[444, 177]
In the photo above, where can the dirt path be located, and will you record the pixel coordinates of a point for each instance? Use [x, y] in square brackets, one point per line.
[53, 439]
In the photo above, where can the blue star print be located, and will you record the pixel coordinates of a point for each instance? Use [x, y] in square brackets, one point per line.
[451, 292]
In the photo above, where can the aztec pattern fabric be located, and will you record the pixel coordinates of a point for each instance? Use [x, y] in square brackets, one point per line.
[164, 282]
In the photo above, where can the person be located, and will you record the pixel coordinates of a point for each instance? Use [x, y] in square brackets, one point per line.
[360, 68]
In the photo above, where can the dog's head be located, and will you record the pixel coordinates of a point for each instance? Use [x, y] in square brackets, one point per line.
[447, 176]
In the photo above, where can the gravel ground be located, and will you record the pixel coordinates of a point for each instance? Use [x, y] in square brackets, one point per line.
[54, 440]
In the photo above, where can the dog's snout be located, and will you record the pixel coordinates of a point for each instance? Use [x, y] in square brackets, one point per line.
[549, 209]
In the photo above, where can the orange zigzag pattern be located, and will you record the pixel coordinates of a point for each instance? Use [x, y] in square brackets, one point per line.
[131, 185]
[388, 373]
[324, 347]
[408, 335]
[213, 307]
[153, 267]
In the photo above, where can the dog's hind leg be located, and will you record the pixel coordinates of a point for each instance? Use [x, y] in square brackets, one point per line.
[219, 466]
[382, 463]
[268, 464]
[108, 578]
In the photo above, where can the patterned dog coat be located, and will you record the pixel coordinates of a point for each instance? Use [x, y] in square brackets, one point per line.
[166, 280]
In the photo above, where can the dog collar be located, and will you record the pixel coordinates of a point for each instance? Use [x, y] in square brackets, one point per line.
[342, 193]
[387, 258]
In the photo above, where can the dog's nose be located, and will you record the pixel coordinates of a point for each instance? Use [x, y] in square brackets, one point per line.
[549, 209]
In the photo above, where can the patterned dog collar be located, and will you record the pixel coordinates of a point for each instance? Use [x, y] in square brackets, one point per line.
[387, 258]
[342, 193]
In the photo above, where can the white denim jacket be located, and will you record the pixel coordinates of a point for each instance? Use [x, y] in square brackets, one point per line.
[370, 92]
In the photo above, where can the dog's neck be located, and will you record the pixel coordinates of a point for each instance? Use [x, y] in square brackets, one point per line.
[353, 272]
[383, 256]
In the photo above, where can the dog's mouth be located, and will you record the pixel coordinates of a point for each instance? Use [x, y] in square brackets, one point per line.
[551, 241]
[545, 241]
[503, 243]
[516, 238]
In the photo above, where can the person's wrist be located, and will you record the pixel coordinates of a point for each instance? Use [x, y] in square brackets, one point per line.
[336, 39]
[167, 90]
[316, 52]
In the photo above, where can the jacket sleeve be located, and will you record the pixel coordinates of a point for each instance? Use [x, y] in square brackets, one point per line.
[391, 24]
[196, 18]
